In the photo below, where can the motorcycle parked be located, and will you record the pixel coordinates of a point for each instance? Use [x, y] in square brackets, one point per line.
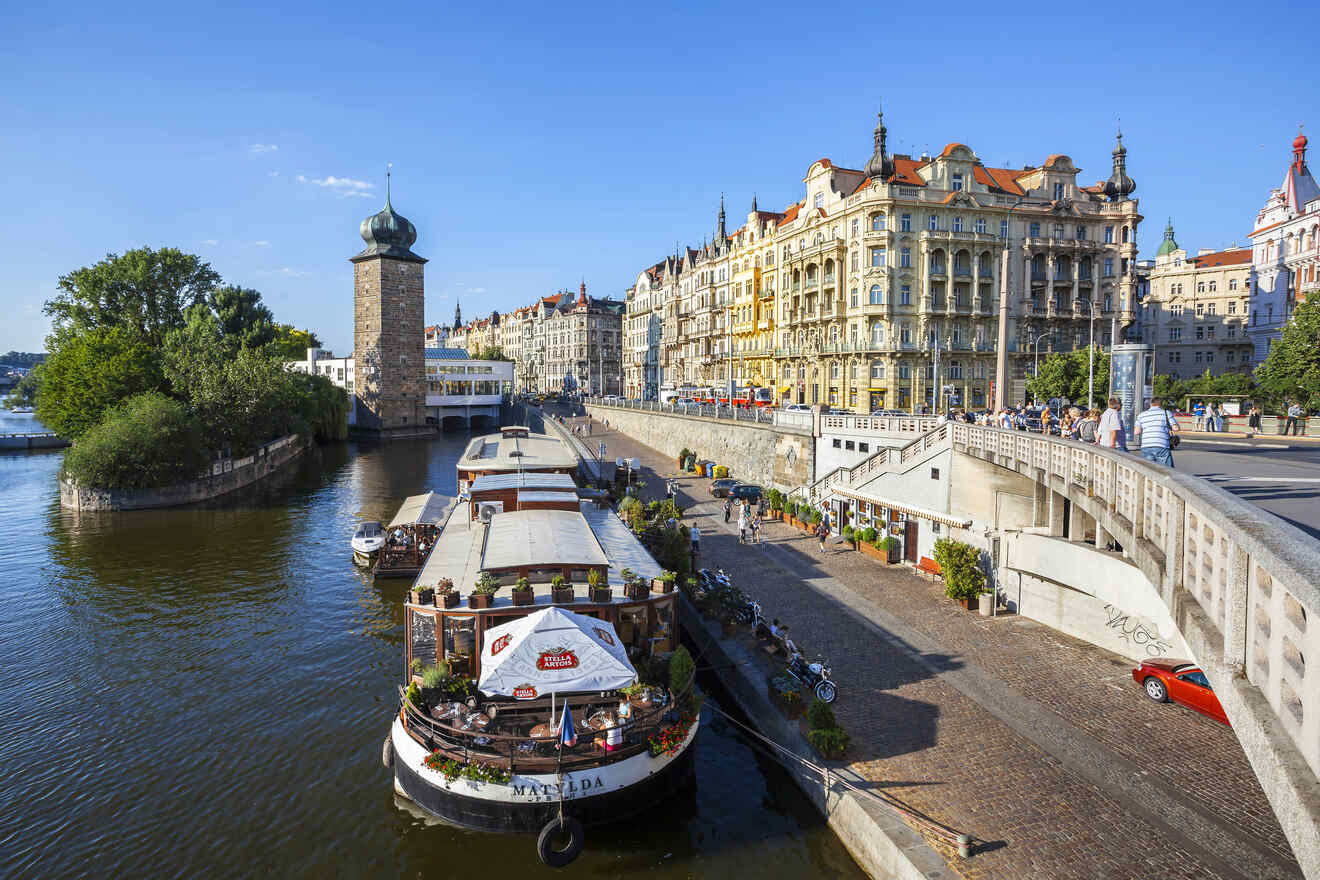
[814, 676]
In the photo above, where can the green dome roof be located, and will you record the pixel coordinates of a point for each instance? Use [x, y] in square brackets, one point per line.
[1167, 246]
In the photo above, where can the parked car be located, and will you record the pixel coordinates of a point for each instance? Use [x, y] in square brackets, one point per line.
[685, 401]
[720, 488]
[746, 492]
[797, 407]
[1168, 679]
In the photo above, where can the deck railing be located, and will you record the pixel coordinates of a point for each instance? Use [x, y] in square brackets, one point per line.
[520, 753]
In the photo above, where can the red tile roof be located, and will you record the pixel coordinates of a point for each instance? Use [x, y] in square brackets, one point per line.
[791, 214]
[949, 148]
[1236, 257]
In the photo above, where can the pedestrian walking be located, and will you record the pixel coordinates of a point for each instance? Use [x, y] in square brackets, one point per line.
[1294, 418]
[1218, 410]
[1253, 421]
[1110, 431]
[1199, 412]
[822, 532]
[756, 528]
[742, 526]
[728, 507]
[1088, 429]
[1155, 430]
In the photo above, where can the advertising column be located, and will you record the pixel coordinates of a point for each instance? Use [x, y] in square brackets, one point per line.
[1131, 372]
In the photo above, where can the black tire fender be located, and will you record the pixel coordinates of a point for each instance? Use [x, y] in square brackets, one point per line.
[545, 842]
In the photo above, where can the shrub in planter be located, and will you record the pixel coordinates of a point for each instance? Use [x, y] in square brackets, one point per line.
[831, 743]
[868, 535]
[483, 591]
[681, 669]
[664, 583]
[560, 590]
[776, 499]
[824, 732]
[960, 565]
[786, 693]
[791, 508]
[849, 535]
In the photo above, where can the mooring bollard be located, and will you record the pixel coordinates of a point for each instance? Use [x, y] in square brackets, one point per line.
[965, 846]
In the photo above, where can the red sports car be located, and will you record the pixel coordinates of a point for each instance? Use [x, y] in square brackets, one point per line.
[1182, 681]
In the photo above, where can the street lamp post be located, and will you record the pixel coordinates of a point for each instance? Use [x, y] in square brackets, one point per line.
[1090, 361]
[1035, 348]
[1001, 359]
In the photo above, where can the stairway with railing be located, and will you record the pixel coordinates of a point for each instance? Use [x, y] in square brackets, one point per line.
[884, 460]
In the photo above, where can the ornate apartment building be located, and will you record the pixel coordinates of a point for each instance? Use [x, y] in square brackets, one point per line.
[1285, 243]
[1196, 310]
[844, 298]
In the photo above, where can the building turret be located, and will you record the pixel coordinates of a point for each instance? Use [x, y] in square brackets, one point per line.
[1167, 246]
[720, 235]
[1119, 186]
[881, 164]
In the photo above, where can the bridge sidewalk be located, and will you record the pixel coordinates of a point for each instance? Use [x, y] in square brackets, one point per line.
[1036, 742]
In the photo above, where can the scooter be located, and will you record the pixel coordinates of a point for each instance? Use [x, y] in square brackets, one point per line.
[815, 676]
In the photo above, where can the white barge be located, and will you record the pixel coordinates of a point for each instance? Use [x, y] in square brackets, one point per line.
[526, 629]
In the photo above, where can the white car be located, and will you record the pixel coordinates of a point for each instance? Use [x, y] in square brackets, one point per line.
[797, 407]
[685, 401]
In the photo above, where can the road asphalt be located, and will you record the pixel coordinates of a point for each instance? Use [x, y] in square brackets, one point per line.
[1280, 476]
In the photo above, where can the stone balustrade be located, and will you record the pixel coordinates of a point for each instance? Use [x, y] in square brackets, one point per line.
[1242, 586]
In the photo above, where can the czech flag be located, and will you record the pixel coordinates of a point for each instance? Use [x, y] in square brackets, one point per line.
[567, 732]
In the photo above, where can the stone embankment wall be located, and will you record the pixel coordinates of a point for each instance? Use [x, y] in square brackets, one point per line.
[767, 455]
[226, 476]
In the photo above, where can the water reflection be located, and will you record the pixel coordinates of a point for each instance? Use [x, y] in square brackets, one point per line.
[204, 692]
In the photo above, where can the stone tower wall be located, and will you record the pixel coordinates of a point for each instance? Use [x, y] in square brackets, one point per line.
[389, 343]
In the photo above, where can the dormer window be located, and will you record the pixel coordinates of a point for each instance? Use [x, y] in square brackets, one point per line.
[820, 200]
[957, 182]
[1058, 192]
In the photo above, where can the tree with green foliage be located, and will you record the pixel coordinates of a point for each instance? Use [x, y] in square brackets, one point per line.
[960, 564]
[144, 291]
[1064, 374]
[491, 353]
[245, 322]
[25, 392]
[22, 358]
[291, 344]
[145, 442]
[91, 371]
[1292, 369]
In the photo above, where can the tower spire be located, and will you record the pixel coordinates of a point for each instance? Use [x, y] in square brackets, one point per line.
[719, 227]
[388, 166]
[1119, 186]
[881, 164]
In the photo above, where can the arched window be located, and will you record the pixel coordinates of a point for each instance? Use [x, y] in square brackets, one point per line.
[1125, 235]
[877, 297]
[877, 222]
[820, 200]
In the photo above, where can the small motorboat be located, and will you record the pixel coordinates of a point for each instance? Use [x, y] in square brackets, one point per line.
[21, 410]
[368, 538]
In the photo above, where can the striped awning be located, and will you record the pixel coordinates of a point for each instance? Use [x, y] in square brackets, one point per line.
[908, 509]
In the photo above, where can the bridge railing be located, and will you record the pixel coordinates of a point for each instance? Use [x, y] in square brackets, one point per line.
[1255, 577]
[878, 462]
[759, 415]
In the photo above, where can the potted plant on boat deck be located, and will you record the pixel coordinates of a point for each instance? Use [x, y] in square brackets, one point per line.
[664, 583]
[445, 594]
[960, 565]
[776, 499]
[598, 589]
[634, 587]
[522, 592]
[561, 591]
[422, 595]
[484, 591]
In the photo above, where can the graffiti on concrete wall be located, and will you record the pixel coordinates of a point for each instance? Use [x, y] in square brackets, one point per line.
[1134, 631]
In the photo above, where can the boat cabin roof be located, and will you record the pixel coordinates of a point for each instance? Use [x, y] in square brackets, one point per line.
[428, 509]
[516, 449]
[524, 480]
[590, 537]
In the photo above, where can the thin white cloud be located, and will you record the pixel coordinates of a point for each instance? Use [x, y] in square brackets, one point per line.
[259, 243]
[210, 242]
[476, 290]
[274, 174]
[291, 273]
[344, 186]
[258, 149]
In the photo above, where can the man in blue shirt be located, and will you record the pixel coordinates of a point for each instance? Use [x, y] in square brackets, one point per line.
[1154, 430]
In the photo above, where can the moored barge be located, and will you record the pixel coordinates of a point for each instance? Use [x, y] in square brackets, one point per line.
[544, 691]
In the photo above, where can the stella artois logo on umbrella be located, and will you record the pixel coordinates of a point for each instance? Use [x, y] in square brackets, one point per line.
[557, 658]
[603, 635]
[524, 691]
[500, 644]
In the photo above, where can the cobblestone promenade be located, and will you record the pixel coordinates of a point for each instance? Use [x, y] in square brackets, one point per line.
[1039, 745]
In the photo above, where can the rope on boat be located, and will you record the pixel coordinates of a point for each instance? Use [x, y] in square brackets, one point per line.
[936, 829]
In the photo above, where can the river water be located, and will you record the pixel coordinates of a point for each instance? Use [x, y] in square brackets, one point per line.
[203, 692]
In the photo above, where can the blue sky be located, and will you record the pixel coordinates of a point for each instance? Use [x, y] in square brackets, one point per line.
[534, 146]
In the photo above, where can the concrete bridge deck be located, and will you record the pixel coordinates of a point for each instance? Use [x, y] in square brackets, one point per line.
[1033, 741]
